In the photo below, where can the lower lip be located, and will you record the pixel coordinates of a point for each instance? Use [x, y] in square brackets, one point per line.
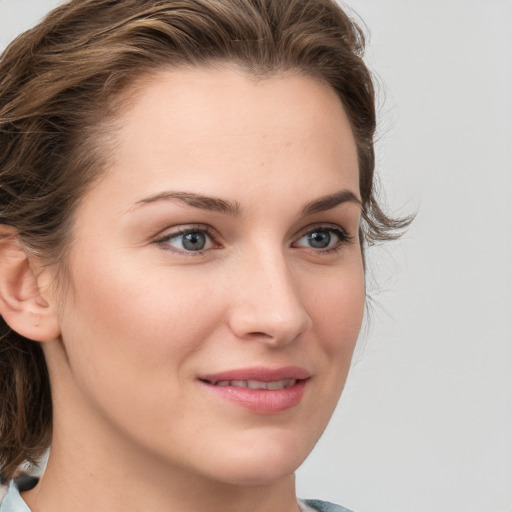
[262, 401]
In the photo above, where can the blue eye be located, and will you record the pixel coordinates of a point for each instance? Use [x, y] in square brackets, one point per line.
[319, 239]
[322, 238]
[189, 240]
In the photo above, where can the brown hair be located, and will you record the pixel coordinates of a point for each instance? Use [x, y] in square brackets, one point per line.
[60, 84]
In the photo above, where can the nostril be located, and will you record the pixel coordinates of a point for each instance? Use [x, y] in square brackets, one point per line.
[259, 335]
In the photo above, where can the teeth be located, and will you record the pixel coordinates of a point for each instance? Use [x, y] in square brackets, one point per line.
[283, 384]
[256, 384]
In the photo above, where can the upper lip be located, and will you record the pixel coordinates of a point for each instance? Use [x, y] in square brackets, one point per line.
[260, 373]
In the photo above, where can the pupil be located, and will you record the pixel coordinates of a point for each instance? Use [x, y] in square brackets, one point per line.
[194, 241]
[320, 239]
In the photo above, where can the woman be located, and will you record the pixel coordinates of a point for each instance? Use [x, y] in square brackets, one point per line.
[186, 194]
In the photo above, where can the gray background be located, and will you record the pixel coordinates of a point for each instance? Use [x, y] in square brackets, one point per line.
[425, 423]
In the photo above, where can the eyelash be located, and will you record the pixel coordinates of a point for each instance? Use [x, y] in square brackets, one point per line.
[163, 241]
[343, 238]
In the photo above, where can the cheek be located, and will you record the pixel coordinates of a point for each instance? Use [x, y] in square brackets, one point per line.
[337, 312]
[130, 336]
[133, 318]
[336, 309]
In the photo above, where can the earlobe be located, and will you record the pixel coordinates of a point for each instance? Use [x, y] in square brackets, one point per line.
[23, 306]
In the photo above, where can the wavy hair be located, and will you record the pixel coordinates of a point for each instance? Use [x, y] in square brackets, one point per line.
[61, 85]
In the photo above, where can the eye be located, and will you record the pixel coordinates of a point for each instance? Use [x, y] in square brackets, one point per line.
[323, 238]
[188, 240]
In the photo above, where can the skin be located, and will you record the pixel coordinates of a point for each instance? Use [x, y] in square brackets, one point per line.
[134, 429]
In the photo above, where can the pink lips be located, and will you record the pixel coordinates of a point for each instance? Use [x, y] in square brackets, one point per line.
[262, 390]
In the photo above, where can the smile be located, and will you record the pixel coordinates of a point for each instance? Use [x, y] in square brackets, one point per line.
[260, 390]
[256, 384]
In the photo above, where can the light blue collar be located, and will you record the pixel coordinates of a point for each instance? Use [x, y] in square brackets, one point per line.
[13, 502]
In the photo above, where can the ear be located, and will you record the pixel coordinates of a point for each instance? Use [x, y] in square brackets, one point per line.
[24, 305]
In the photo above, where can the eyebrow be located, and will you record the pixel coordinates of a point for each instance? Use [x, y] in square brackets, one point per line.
[195, 200]
[331, 201]
[233, 208]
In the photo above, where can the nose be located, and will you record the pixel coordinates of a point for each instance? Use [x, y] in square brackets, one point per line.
[267, 304]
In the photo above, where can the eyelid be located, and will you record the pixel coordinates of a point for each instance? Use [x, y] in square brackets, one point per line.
[344, 237]
[183, 230]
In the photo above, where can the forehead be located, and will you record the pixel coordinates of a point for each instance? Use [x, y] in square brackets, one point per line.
[222, 132]
[226, 108]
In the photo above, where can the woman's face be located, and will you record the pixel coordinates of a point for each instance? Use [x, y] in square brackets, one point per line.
[218, 254]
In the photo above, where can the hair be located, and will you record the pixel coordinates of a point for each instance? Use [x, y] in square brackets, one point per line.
[62, 84]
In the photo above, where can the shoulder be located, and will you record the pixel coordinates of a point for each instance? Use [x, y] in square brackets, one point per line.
[322, 506]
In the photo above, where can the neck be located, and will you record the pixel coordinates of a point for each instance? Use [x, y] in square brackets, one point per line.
[94, 483]
[85, 491]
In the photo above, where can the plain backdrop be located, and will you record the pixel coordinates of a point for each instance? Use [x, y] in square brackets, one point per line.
[425, 422]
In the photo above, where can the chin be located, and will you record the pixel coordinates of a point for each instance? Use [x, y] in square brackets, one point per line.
[260, 475]
[260, 463]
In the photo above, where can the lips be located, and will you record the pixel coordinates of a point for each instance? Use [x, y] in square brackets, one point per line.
[261, 390]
